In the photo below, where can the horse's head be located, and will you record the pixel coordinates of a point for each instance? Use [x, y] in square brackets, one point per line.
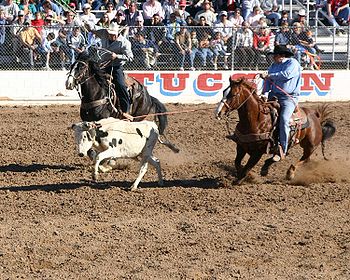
[79, 72]
[233, 97]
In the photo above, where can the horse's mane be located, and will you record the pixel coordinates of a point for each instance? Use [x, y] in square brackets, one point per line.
[251, 86]
[101, 77]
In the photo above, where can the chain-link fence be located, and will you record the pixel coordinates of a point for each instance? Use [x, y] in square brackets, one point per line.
[23, 47]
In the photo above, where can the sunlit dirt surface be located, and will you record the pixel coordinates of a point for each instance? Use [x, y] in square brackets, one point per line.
[57, 223]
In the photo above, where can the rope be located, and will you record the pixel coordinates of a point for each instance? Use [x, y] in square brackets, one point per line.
[172, 112]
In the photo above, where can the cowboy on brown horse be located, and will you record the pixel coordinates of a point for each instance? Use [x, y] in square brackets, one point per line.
[283, 81]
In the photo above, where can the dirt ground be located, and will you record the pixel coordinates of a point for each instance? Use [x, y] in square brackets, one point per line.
[57, 223]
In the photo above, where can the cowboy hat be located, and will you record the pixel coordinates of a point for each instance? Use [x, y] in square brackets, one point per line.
[282, 50]
[113, 29]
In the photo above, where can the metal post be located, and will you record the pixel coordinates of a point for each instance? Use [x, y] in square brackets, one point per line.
[290, 9]
[307, 12]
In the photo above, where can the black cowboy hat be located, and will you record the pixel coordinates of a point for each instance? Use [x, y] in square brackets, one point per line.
[283, 50]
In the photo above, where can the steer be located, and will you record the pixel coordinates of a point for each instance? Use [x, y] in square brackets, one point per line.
[113, 138]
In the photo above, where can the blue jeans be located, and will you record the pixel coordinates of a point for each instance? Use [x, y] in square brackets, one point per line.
[120, 87]
[288, 104]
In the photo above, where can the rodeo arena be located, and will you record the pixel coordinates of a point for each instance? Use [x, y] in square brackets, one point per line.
[190, 181]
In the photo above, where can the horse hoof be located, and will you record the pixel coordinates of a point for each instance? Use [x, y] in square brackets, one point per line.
[264, 172]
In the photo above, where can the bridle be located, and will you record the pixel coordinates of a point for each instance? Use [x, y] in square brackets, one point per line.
[78, 79]
[237, 96]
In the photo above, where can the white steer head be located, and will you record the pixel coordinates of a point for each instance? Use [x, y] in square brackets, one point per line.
[84, 133]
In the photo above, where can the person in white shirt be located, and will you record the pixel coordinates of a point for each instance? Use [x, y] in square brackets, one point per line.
[206, 12]
[150, 8]
[88, 16]
[254, 17]
[225, 27]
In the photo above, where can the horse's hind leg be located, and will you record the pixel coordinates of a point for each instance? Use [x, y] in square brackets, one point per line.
[305, 158]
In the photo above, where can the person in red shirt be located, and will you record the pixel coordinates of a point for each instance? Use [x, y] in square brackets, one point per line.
[338, 12]
[261, 43]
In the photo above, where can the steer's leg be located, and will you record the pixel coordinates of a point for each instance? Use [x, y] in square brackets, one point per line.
[142, 172]
[155, 162]
[100, 157]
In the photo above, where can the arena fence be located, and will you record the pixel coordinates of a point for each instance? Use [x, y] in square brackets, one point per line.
[57, 53]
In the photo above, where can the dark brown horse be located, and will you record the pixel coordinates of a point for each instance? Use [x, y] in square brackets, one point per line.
[254, 132]
[99, 100]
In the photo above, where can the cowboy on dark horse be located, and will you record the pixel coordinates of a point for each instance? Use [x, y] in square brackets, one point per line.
[283, 81]
[120, 48]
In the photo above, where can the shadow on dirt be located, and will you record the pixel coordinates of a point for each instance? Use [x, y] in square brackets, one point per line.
[34, 168]
[193, 183]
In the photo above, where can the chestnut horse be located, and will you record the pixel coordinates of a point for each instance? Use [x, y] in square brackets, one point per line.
[254, 132]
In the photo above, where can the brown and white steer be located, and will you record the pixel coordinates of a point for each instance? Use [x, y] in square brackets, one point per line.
[114, 139]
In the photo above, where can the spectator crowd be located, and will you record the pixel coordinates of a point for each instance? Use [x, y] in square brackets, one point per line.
[200, 34]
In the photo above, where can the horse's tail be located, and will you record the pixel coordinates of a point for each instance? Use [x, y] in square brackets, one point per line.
[160, 110]
[328, 126]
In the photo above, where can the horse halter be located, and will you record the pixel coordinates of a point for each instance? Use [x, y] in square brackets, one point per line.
[237, 96]
[78, 77]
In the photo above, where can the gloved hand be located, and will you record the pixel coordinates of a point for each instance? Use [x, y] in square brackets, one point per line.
[264, 75]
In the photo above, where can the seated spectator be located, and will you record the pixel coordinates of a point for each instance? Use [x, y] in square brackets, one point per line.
[206, 12]
[131, 13]
[284, 18]
[244, 51]
[3, 23]
[157, 31]
[225, 27]
[45, 49]
[181, 12]
[296, 45]
[247, 7]
[169, 7]
[63, 49]
[219, 50]
[231, 6]
[139, 27]
[30, 39]
[172, 27]
[151, 7]
[236, 18]
[50, 9]
[205, 29]
[270, 10]
[194, 49]
[123, 5]
[28, 8]
[88, 16]
[301, 18]
[261, 44]
[254, 17]
[103, 21]
[145, 51]
[204, 50]
[338, 12]
[110, 11]
[119, 19]
[184, 45]
[191, 23]
[283, 36]
[10, 9]
[38, 21]
[76, 43]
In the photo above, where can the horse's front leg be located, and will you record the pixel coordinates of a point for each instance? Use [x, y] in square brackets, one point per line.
[240, 153]
[252, 161]
[265, 168]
